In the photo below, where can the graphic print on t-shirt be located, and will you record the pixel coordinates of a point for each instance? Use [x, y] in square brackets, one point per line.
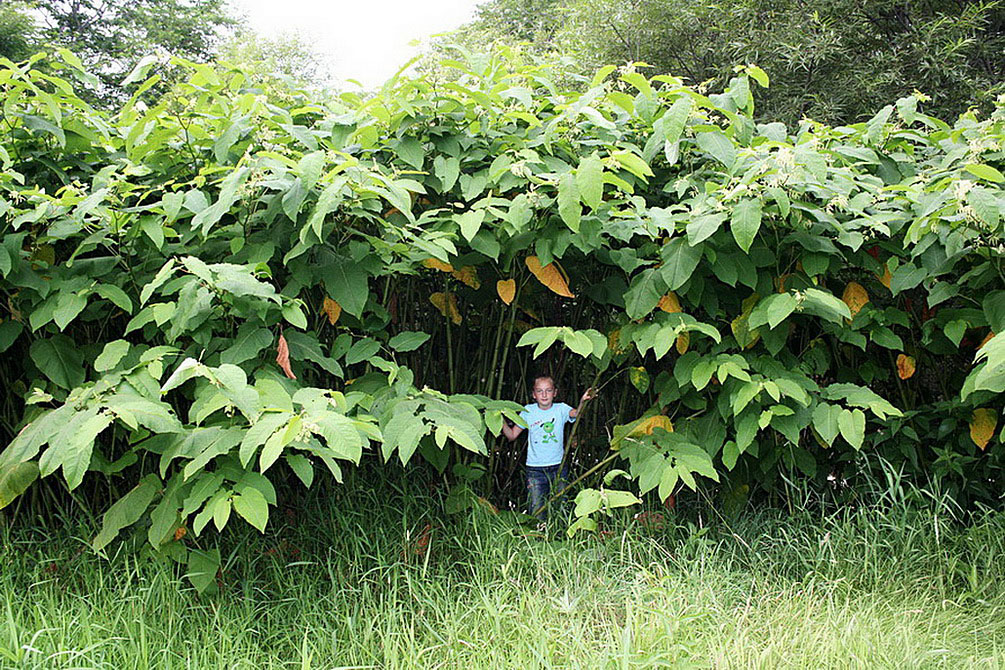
[545, 433]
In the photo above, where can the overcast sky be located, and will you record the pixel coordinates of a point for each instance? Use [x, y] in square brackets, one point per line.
[367, 40]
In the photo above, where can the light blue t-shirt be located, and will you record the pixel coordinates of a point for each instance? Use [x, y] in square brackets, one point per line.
[545, 433]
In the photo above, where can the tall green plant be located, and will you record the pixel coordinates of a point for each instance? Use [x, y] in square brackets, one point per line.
[236, 282]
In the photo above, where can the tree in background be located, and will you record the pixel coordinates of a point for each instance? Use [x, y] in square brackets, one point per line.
[835, 61]
[17, 31]
[532, 21]
[288, 57]
[110, 36]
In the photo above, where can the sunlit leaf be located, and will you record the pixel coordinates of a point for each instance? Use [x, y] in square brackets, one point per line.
[437, 264]
[982, 426]
[332, 309]
[855, 297]
[550, 276]
[905, 366]
[506, 288]
[468, 275]
[669, 303]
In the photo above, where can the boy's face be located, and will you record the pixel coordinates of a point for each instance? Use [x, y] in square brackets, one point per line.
[544, 392]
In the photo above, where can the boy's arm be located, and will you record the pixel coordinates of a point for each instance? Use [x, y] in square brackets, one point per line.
[511, 431]
[590, 394]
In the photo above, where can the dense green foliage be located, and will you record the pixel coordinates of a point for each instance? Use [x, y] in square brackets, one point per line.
[833, 61]
[359, 578]
[233, 285]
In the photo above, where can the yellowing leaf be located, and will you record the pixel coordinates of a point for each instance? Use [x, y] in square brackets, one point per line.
[506, 288]
[447, 304]
[468, 275]
[649, 424]
[669, 303]
[613, 341]
[855, 297]
[437, 264]
[885, 278]
[550, 276]
[746, 337]
[332, 309]
[639, 378]
[905, 366]
[683, 341]
[982, 426]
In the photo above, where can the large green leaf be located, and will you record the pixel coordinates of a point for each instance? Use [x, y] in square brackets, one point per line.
[126, 511]
[568, 202]
[251, 339]
[772, 310]
[851, 423]
[679, 262]
[15, 480]
[408, 341]
[719, 146]
[251, 505]
[746, 221]
[346, 283]
[60, 360]
[329, 200]
[644, 293]
[590, 180]
[229, 188]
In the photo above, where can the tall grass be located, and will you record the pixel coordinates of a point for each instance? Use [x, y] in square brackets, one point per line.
[346, 580]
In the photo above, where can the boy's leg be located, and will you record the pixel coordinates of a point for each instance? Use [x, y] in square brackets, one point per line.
[557, 484]
[559, 481]
[538, 487]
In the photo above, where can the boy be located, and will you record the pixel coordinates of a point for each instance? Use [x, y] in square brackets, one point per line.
[546, 421]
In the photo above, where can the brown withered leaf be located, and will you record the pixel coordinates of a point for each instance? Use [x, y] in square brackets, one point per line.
[506, 288]
[855, 297]
[986, 339]
[885, 278]
[437, 264]
[550, 275]
[468, 275]
[905, 366]
[332, 309]
[283, 357]
[982, 426]
[669, 303]
[447, 304]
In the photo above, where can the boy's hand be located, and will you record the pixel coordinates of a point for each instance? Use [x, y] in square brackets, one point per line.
[590, 394]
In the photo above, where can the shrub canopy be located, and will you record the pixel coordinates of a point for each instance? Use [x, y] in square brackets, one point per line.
[238, 282]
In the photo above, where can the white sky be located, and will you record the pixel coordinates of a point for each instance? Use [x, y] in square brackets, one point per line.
[366, 40]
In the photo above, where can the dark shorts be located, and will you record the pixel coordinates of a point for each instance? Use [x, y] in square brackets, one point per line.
[540, 481]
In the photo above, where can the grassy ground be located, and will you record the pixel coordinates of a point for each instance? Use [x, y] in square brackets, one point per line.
[350, 583]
